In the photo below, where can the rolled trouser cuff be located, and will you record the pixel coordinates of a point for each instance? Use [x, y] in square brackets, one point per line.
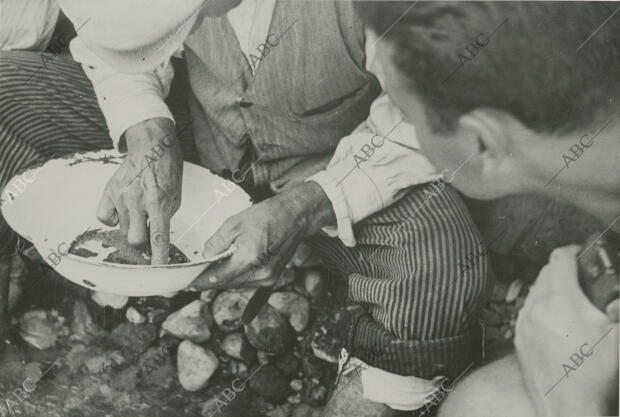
[446, 356]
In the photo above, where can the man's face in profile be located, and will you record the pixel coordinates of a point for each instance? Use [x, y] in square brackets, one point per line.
[503, 156]
[444, 150]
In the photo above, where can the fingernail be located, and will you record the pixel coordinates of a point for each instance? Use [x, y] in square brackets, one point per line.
[192, 289]
[213, 279]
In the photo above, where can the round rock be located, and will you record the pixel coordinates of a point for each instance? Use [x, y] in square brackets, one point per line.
[195, 365]
[192, 322]
[238, 347]
[228, 308]
[270, 331]
[293, 306]
[314, 284]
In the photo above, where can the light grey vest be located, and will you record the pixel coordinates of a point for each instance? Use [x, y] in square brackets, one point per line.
[310, 90]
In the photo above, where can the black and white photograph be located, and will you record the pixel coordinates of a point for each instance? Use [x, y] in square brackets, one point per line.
[309, 208]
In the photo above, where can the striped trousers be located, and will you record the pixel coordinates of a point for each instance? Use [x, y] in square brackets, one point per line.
[413, 309]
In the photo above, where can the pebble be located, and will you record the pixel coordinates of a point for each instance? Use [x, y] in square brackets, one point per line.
[105, 299]
[270, 332]
[228, 308]
[237, 346]
[294, 399]
[134, 316]
[319, 394]
[297, 385]
[293, 306]
[195, 365]
[192, 322]
[37, 329]
[322, 354]
[513, 290]
[104, 363]
[270, 383]
[314, 284]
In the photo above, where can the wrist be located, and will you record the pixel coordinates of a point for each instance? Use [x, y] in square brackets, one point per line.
[312, 206]
[149, 133]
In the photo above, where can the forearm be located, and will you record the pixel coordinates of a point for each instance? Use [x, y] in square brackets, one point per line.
[149, 133]
[125, 99]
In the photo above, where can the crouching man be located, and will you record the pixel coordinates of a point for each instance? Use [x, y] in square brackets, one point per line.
[521, 85]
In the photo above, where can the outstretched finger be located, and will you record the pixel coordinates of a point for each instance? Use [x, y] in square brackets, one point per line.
[137, 233]
[160, 238]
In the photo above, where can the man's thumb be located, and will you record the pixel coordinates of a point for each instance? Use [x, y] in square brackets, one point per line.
[217, 244]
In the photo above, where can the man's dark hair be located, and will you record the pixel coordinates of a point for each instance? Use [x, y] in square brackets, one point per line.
[555, 66]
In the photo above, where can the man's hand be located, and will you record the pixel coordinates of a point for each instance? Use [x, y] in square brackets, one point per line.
[266, 236]
[567, 348]
[146, 186]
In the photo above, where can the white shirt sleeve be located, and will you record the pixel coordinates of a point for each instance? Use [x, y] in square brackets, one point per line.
[372, 167]
[125, 99]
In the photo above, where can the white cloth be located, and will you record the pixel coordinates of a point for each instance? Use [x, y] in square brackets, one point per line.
[27, 25]
[251, 20]
[354, 193]
[396, 391]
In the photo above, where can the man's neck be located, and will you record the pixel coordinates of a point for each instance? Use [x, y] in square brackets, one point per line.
[605, 207]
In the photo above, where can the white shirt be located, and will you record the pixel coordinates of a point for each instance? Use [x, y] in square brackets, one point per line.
[355, 192]
[27, 25]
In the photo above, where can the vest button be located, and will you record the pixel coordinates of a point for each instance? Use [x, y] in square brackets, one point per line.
[243, 103]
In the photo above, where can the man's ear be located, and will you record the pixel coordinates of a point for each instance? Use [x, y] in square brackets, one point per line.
[489, 132]
[489, 129]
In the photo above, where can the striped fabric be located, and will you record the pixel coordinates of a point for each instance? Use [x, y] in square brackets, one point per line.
[414, 313]
[417, 310]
